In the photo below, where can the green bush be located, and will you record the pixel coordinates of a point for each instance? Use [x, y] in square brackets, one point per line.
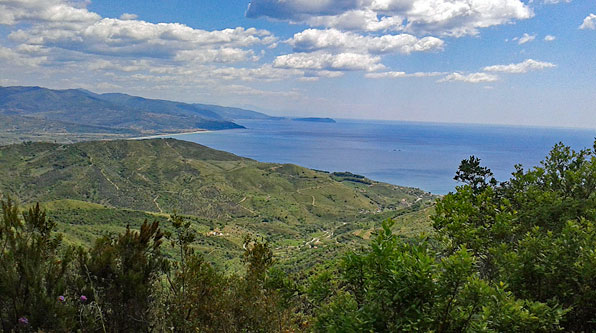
[33, 278]
[408, 286]
[535, 232]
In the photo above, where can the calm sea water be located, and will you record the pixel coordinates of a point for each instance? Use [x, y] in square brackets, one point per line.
[422, 155]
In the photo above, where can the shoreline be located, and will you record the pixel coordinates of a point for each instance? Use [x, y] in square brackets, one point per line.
[168, 135]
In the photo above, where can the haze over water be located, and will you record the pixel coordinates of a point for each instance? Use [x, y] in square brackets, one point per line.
[423, 155]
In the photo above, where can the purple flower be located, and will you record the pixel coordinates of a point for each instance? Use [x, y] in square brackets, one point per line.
[23, 321]
[61, 299]
[83, 298]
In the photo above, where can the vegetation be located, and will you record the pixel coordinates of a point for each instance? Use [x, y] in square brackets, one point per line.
[516, 256]
[94, 188]
[534, 232]
[348, 176]
[125, 283]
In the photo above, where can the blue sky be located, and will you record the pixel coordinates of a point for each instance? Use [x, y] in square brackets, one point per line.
[472, 61]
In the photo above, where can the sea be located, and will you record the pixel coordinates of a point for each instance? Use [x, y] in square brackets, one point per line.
[422, 155]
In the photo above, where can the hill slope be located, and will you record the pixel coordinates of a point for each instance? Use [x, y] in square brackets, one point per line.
[130, 180]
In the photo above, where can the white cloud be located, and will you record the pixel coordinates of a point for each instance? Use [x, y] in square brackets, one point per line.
[71, 42]
[364, 20]
[138, 38]
[470, 78]
[589, 22]
[549, 38]
[420, 17]
[522, 67]
[127, 16]
[16, 58]
[330, 62]
[57, 24]
[52, 11]
[333, 39]
[396, 75]
[525, 38]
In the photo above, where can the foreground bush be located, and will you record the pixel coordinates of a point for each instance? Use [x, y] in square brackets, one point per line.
[407, 286]
[124, 283]
[34, 272]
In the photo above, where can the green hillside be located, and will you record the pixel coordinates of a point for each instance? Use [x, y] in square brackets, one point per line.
[91, 188]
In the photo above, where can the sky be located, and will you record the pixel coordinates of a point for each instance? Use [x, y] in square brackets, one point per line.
[512, 62]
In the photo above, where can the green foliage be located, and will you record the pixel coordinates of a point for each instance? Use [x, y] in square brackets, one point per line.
[121, 273]
[534, 232]
[477, 177]
[34, 271]
[408, 286]
[199, 298]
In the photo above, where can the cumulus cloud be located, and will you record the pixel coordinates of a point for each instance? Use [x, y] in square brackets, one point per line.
[525, 38]
[442, 17]
[333, 39]
[470, 78]
[61, 39]
[363, 20]
[589, 22]
[138, 38]
[57, 24]
[522, 67]
[549, 38]
[51, 11]
[330, 62]
[16, 58]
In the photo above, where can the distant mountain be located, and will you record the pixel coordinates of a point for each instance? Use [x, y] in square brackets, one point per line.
[35, 112]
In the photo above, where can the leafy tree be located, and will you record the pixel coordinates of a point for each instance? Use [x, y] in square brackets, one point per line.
[257, 308]
[534, 232]
[34, 272]
[471, 173]
[408, 286]
[121, 274]
[195, 290]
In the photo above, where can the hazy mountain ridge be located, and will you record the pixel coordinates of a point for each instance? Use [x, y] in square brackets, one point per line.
[117, 115]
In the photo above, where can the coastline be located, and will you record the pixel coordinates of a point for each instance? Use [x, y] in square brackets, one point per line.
[168, 135]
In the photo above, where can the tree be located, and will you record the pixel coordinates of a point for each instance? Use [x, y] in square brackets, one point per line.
[535, 232]
[408, 286]
[120, 274]
[471, 173]
[33, 278]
